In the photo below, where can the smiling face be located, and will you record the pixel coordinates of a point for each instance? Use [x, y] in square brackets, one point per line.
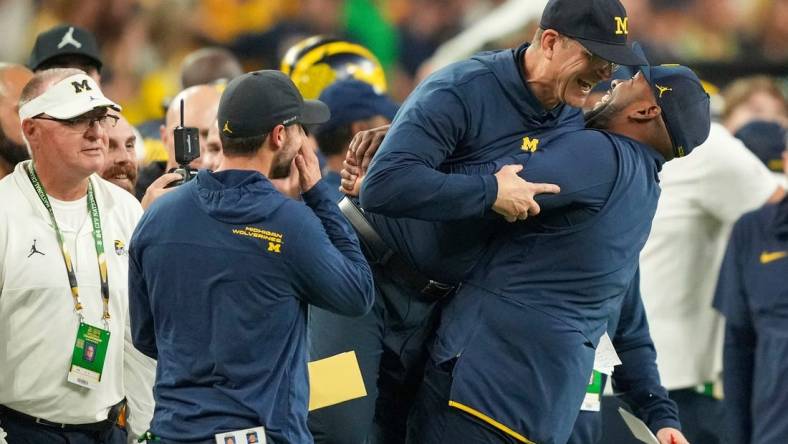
[120, 166]
[576, 71]
[623, 96]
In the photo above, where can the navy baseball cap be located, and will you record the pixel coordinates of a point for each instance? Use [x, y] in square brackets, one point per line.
[354, 100]
[64, 40]
[601, 26]
[767, 140]
[683, 101]
[255, 102]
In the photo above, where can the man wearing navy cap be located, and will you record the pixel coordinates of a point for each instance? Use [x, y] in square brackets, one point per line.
[355, 106]
[223, 267]
[67, 46]
[751, 294]
[470, 114]
[493, 105]
[766, 140]
[515, 346]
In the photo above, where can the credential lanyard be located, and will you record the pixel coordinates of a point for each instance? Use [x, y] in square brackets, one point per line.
[98, 239]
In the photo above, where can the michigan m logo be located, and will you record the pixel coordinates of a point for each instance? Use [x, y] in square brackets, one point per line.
[81, 86]
[274, 247]
[621, 25]
[529, 144]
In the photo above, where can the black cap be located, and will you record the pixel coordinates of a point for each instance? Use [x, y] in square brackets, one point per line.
[599, 25]
[254, 103]
[64, 40]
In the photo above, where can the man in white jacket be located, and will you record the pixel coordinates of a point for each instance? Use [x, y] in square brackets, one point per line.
[63, 270]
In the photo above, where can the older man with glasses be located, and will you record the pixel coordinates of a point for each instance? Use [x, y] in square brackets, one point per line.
[63, 270]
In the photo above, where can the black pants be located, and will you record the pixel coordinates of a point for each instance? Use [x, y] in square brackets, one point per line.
[27, 432]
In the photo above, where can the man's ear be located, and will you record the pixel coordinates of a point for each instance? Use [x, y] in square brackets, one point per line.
[645, 113]
[29, 129]
[278, 136]
[550, 39]
[163, 134]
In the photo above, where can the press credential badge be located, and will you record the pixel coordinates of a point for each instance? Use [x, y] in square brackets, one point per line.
[87, 361]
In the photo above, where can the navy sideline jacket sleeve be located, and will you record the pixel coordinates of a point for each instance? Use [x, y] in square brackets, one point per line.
[140, 316]
[583, 163]
[331, 280]
[738, 355]
[403, 179]
[637, 379]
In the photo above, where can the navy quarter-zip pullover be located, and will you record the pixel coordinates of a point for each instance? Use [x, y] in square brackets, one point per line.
[221, 272]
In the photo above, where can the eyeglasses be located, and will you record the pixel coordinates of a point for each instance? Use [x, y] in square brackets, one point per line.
[596, 60]
[82, 123]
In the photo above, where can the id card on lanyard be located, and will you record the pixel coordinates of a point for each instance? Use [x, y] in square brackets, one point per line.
[591, 402]
[90, 346]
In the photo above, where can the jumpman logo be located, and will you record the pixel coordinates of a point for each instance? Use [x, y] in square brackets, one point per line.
[226, 128]
[69, 39]
[662, 89]
[34, 250]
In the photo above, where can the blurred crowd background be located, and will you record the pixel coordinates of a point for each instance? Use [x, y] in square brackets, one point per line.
[143, 42]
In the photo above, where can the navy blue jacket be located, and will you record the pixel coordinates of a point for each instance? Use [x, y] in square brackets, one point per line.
[491, 112]
[752, 294]
[469, 113]
[221, 272]
[439, 158]
[573, 264]
[637, 379]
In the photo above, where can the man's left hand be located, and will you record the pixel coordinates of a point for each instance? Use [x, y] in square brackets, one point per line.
[669, 435]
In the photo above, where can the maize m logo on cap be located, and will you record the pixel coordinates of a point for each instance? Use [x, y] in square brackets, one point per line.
[621, 25]
[81, 86]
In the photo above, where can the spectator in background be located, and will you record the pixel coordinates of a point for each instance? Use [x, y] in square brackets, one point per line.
[428, 24]
[203, 66]
[751, 294]
[767, 140]
[267, 47]
[67, 46]
[209, 65]
[12, 147]
[200, 105]
[770, 28]
[355, 106]
[753, 98]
